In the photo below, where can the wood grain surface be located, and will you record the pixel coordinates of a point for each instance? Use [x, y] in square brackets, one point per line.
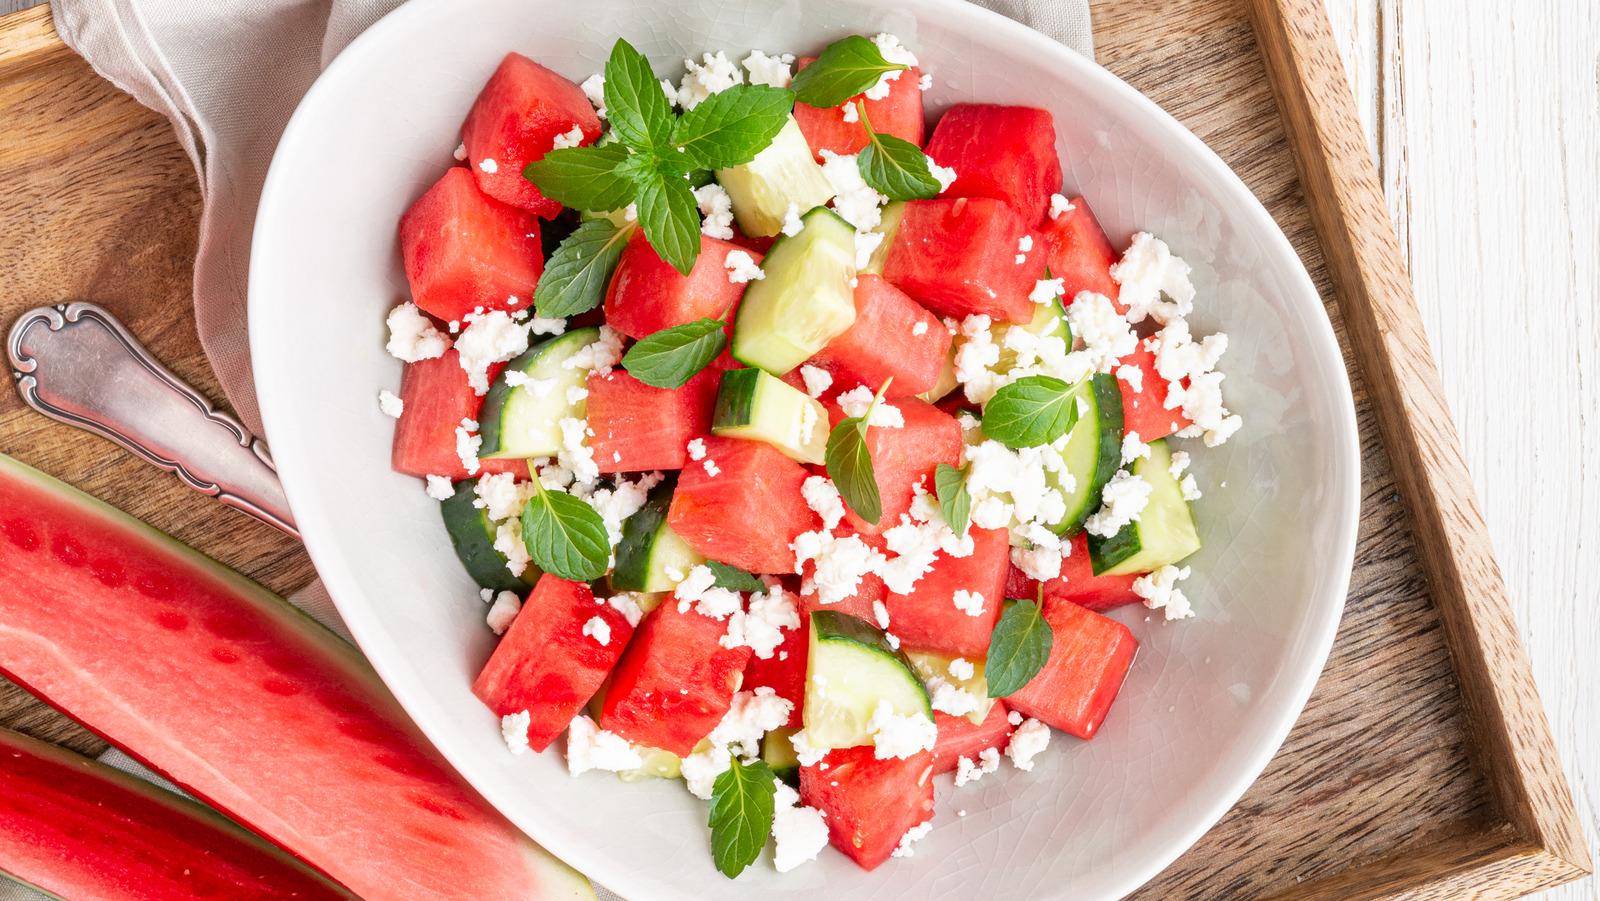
[1374, 788]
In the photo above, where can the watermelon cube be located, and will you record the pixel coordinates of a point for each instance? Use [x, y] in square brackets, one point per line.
[898, 114]
[870, 590]
[464, 250]
[638, 427]
[741, 505]
[546, 664]
[514, 121]
[892, 337]
[1145, 410]
[869, 804]
[959, 738]
[784, 672]
[1020, 585]
[437, 397]
[647, 295]
[928, 619]
[959, 257]
[1088, 660]
[1080, 254]
[675, 682]
[1004, 152]
[1078, 583]
[904, 457]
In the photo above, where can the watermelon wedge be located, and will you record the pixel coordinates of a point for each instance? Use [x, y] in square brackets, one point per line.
[869, 804]
[245, 702]
[959, 738]
[1089, 658]
[893, 337]
[963, 256]
[82, 830]
[1080, 253]
[741, 505]
[638, 427]
[463, 250]
[437, 397]
[1004, 152]
[784, 672]
[899, 114]
[1145, 411]
[516, 120]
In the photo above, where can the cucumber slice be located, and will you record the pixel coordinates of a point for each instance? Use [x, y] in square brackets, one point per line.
[929, 665]
[782, 174]
[851, 669]
[888, 225]
[1048, 319]
[658, 764]
[650, 552]
[472, 533]
[778, 751]
[1164, 533]
[756, 405]
[805, 300]
[524, 420]
[1093, 452]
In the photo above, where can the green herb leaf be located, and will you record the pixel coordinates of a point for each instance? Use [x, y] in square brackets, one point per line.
[671, 357]
[635, 103]
[849, 463]
[954, 502]
[730, 127]
[671, 219]
[894, 167]
[1031, 411]
[734, 579]
[846, 68]
[741, 815]
[575, 279]
[565, 536]
[1018, 648]
[584, 178]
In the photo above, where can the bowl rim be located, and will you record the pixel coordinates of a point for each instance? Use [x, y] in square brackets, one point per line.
[1317, 636]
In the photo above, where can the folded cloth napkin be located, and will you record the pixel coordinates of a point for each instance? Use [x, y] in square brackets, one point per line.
[228, 74]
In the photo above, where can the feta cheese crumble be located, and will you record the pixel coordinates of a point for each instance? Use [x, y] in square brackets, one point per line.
[594, 87]
[440, 488]
[488, 165]
[697, 449]
[1105, 333]
[967, 771]
[742, 267]
[962, 669]
[1148, 270]
[713, 74]
[920, 329]
[854, 200]
[591, 748]
[968, 602]
[1030, 738]
[855, 402]
[900, 735]
[799, 833]
[1123, 499]
[711, 468]
[750, 716]
[489, 338]
[867, 244]
[698, 589]
[1046, 290]
[1160, 591]
[792, 223]
[570, 139]
[599, 630]
[505, 609]
[390, 404]
[717, 208]
[951, 699]
[1059, 205]
[514, 729]
[1133, 448]
[773, 71]
[760, 626]
[817, 380]
[945, 175]
[912, 836]
[467, 445]
[412, 337]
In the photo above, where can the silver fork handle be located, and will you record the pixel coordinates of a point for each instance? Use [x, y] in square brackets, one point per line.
[77, 364]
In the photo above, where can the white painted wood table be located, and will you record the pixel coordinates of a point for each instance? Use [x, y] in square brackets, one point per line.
[1484, 117]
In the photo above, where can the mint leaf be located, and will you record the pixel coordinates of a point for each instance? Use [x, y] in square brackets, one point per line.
[671, 218]
[846, 68]
[955, 503]
[583, 178]
[893, 166]
[671, 357]
[849, 463]
[565, 536]
[741, 814]
[1031, 411]
[734, 579]
[635, 103]
[575, 279]
[730, 127]
[1018, 648]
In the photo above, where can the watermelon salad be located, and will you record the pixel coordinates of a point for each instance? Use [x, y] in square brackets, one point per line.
[798, 450]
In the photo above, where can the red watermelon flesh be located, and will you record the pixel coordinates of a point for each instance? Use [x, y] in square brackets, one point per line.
[647, 295]
[514, 121]
[242, 701]
[959, 738]
[869, 804]
[904, 457]
[1145, 411]
[1078, 583]
[1019, 585]
[747, 514]
[1080, 253]
[928, 620]
[437, 397]
[883, 343]
[82, 830]
[463, 250]
[675, 682]
[959, 257]
[1088, 660]
[545, 664]
[899, 114]
[638, 428]
[1004, 152]
[870, 589]
[784, 672]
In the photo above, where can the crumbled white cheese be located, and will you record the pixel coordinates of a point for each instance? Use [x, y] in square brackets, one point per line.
[968, 602]
[1030, 738]
[750, 716]
[900, 735]
[799, 833]
[911, 837]
[717, 208]
[390, 403]
[1179, 358]
[1148, 270]
[591, 748]
[840, 564]
[506, 607]
[621, 501]
[792, 223]
[440, 488]
[460, 152]
[575, 455]
[697, 449]
[855, 402]
[1133, 375]
[576, 394]
[817, 380]
[599, 356]
[1191, 490]
[713, 74]
[1046, 290]
[508, 541]
[594, 87]
[1178, 463]
[773, 71]
[627, 604]
[742, 267]
[1059, 205]
[850, 113]
[573, 138]
[489, 338]
[951, 699]
[598, 629]
[961, 669]
[488, 165]
[854, 200]
[920, 329]
[967, 771]
[1014, 718]
[412, 337]
[514, 729]
[822, 496]
[467, 445]
[925, 82]
[1133, 448]
[945, 175]
[699, 589]
[760, 626]
[893, 52]
[711, 468]
[1040, 562]
[803, 752]
[880, 612]
[1123, 499]
[1105, 333]
[867, 243]
[1160, 591]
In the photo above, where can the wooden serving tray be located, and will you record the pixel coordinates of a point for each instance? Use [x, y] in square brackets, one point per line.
[1422, 767]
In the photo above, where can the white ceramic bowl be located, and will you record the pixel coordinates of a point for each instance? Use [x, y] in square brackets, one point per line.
[1208, 700]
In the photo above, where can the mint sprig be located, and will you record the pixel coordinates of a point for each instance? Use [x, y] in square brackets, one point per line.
[575, 279]
[565, 536]
[741, 814]
[671, 357]
[658, 153]
[1019, 647]
[733, 578]
[1033, 410]
[847, 67]
[894, 167]
[955, 502]
[849, 463]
